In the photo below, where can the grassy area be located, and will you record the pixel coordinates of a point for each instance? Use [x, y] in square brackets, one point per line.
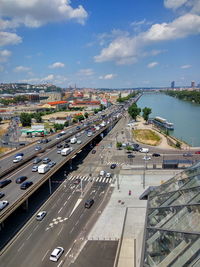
[147, 137]
[4, 149]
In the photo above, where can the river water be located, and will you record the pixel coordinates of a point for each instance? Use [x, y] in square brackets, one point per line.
[185, 115]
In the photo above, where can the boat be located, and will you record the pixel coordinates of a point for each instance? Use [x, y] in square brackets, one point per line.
[159, 121]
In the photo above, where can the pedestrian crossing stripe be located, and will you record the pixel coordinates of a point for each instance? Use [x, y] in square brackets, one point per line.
[117, 163]
[88, 178]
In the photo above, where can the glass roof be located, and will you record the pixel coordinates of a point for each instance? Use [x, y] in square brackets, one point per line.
[172, 235]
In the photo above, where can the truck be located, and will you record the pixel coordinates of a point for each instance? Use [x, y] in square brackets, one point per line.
[43, 168]
[73, 140]
[66, 151]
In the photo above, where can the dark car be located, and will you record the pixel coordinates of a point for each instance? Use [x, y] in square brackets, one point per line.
[197, 152]
[93, 151]
[66, 145]
[67, 141]
[113, 166]
[5, 182]
[20, 179]
[78, 127]
[89, 203]
[26, 185]
[155, 155]
[59, 146]
[51, 164]
[2, 194]
[188, 154]
[22, 144]
[130, 156]
[37, 160]
[45, 141]
[77, 181]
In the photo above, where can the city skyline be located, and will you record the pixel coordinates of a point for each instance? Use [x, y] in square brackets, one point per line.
[100, 45]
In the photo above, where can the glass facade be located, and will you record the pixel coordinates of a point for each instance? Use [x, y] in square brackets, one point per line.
[172, 236]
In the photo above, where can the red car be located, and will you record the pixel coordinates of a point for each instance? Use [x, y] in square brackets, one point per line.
[197, 152]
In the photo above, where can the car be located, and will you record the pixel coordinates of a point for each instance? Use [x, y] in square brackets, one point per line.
[26, 185]
[20, 179]
[188, 154]
[45, 141]
[78, 134]
[58, 137]
[146, 158]
[89, 203]
[59, 146]
[56, 254]
[155, 155]
[2, 194]
[40, 141]
[46, 160]
[41, 215]
[130, 156]
[37, 148]
[63, 133]
[22, 144]
[17, 159]
[66, 145]
[108, 175]
[35, 168]
[144, 150]
[93, 151]
[3, 204]
[51, 164]
[79, 141]
[59, 151]
[197, 152]
[37, 160]
[67, 141]
[113, 166]
[77, 181]
[78, 127]
[4, 183]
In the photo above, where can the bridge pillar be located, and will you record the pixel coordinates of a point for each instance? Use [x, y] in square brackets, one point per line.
[25, 205]
[50, 191]
[1, 226]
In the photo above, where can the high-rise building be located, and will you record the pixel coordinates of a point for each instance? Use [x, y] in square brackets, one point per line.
[172, 84]
[192, 84]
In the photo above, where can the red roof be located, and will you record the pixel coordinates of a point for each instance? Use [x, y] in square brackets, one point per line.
[57, 103]
[76, 102]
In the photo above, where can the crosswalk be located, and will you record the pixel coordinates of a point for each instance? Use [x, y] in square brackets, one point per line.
[88, 178]
[115, 162]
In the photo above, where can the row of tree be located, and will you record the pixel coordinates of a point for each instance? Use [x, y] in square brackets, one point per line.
[193, 96]
[121, 99]
[134, 111]
[15, 100]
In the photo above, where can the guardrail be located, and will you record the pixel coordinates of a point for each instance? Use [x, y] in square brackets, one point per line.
[35, 186]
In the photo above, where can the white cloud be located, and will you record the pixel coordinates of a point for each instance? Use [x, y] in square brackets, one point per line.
[174, 4]
[107, 76]
[8, 38]
[57, 65]
[86, 72]
[186, 66]
[49, 77]
[152, 65]
[127, 50]
[4, 55]
[21, 69]
[34, 13]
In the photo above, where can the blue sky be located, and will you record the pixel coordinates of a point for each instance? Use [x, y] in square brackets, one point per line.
[110, 44]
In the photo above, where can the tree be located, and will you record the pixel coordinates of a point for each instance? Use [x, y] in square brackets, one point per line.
[79, 117]
[74, 120]
[66, 124]
[1, 119]
[86, 115]
[146, 112]
[58, 126]
[38, 117]
[25, 119]
[178, 144]
[119, 145]
[129, 148]
[134, 111]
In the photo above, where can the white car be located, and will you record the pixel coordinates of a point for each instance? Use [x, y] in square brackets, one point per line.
[144, 150]
[41, 215]
[108, 175]
[59, 151]
[3, 204]
[146, 158]
[79, 141]
[17, 159]
[57, 252]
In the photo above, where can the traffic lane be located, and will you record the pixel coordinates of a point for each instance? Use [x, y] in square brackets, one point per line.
[97, 253]
[35, 231]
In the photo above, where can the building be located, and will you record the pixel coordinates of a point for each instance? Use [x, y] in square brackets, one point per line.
[172, 84]
[88, 105]
[46, 97]
[193, 84]
[172, 234]
[58, 104]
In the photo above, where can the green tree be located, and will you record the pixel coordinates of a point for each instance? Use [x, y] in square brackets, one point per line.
[134, 111]
[86, 115]
[146, 112]
[74, 120]
[1, 119]
[38, 117]
[119, 145]
[178, 144]
[129, 148]
[58, 126]
[79, 117]
[25, 119]
[66, 124]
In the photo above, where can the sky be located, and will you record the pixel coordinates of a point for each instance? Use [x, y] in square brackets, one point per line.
[100, 44]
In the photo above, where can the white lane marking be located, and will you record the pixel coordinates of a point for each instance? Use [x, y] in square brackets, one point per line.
[35, 228]
[60, 263]
[29, 236]
[65, 203]
[71, 230]
[76, 205]
[60, 210]
[45, 255]
[77, 222]
[67, 252]
[60, 230]
[20, 247]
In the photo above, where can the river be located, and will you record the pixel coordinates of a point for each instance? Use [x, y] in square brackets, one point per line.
[185, 115]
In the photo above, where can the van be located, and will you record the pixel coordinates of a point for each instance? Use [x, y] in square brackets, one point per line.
[144, 150]
[89, 203]
[73, 140]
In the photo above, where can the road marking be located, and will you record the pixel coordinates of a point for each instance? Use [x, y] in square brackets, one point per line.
[45, 255]
[60, 210]
[65, 203]
[71, 230]
[29, 236]
[20, 247]
[67, 252]
[35, 228]
[60, 263]
[77, 222]
[60, 230]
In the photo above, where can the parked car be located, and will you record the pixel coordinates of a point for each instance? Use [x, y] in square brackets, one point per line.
[20, 179]
[26, 185]
[51, 164]
[197, 152]
[41, 215]
[35, 168]
[37, 160]
[2, 194]
[46, 160]
[4, 183]
[3, 204]
[56, 254]
[113, 166]
[155, 155]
